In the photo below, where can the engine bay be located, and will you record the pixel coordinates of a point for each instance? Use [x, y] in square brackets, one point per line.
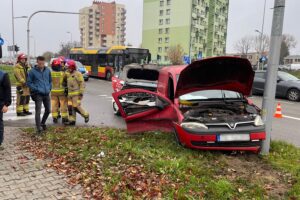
[220, 112]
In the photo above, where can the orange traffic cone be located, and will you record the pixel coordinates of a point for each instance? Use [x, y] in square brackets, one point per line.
[278, 113]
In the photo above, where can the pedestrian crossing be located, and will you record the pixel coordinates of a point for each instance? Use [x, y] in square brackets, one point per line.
[11, 115]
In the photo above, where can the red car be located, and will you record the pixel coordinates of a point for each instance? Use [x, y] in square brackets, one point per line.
[205, 104]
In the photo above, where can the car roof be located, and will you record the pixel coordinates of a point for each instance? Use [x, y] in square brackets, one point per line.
[174, 70]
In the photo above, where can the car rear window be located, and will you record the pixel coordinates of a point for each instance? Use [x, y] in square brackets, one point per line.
[143, 74]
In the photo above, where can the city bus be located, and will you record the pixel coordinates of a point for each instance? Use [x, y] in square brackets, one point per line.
[104, 62]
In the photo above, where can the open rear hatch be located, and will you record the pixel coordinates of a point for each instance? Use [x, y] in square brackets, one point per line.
[141, 76]
[219, 73]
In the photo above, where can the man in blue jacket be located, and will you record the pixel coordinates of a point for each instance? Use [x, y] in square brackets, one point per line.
[39, 81]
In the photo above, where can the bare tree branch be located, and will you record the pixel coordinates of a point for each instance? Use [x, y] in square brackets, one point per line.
[175, 54]
[244, 45]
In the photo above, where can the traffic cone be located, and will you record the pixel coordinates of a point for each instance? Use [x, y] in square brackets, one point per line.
[278, 113]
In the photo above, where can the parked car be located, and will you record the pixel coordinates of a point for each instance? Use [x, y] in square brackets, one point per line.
[288, 86]
[81, 68]
[205, 104]
[135, 76]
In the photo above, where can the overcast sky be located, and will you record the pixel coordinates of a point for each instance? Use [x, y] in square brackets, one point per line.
[50, 30]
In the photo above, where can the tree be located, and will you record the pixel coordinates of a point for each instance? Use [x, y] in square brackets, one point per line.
[265, 45]
[243, 45]
[175, 54]
[65, 48]
[48, 55]
[288, 42]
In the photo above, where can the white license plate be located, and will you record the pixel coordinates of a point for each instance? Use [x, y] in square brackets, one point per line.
[233, 137]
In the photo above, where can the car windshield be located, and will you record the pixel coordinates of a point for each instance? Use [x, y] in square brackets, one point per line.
[287, 77]
[211, 94]
[79, 65]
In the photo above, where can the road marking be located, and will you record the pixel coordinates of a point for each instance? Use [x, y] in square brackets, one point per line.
[289, 117]
[102, 95]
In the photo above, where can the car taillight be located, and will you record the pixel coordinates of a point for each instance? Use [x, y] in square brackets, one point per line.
[258, 136]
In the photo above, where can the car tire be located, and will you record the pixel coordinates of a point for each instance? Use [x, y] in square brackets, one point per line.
[177, 139]
[108, 76]
[293, 95]
[86, 80]
[115, 108]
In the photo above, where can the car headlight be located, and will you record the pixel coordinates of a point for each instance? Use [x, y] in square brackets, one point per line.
[258, 121]
[193, 125]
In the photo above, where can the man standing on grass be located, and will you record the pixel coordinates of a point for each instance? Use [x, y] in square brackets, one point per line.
[5, 101]
[40, 82]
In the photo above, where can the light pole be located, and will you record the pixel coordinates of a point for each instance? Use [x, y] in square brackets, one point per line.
[272, 70]
[71, 35]
[42, 11]
[260, 48]
[262, 33]
[13, 25]
[34, 43]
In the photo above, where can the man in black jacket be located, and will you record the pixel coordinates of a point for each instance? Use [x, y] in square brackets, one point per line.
[5, 100]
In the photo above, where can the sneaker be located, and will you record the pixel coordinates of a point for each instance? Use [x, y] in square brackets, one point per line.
[21, 114]
[55, 120]
[86, 119]
[27, 113]
[65, 121]
[44, 127]
[71, 123]
[1, 147]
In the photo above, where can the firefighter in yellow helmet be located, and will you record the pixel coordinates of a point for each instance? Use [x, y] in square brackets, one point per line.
[75, 84]
[23, 94]
[59, 101]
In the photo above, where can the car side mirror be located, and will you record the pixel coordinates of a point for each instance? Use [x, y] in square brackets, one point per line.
[278, 80]
[160, 104]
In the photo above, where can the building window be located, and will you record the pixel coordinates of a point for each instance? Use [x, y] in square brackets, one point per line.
[159, 49]
[161, 22]
[159, 40]
[161, 3]
[168, 12]
[167, 40]
[167, 31]
[168, 2]
[168, 21]
[160, 31]
[161, 13]
[166, 49]
[166, 58]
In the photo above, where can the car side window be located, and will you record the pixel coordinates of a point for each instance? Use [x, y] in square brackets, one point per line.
[137, 102]
[261, 75]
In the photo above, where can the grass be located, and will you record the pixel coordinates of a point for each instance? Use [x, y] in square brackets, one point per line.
[111, 164]
[295, 73]
[9, 70]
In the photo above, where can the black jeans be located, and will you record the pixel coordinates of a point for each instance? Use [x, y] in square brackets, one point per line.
[1, 127]
[39, 100]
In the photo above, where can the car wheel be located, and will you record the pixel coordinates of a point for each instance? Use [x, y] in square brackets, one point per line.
[293, 95]
[86, 80]
[108, 76]
[177, 139]
[115, 108]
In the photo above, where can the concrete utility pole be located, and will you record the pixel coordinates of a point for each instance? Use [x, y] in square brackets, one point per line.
[273, 63]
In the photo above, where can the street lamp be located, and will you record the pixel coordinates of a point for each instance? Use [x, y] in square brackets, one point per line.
[42, 11]
[13, 25]
[261, 34]
[260, 47]
[68, 32]
[34, 43]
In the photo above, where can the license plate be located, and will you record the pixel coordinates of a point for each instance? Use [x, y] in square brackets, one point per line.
[233, 137]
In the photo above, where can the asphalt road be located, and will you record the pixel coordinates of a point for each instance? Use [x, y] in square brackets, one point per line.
[97, 101]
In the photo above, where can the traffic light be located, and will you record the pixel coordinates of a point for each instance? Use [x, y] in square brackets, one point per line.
[17, 48]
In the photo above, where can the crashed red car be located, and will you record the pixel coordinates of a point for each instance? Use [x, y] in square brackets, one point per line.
[205, 104]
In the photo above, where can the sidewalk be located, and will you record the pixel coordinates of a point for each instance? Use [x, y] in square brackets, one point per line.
[24, 177]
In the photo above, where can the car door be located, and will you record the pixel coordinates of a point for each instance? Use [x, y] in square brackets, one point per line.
[145, 111]
[259, 82]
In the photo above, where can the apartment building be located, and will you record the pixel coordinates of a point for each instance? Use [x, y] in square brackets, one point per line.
[102, 24]
[199, 26]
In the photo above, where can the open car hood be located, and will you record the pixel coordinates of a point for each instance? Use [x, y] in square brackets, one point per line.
[140, 73]
[218, 73]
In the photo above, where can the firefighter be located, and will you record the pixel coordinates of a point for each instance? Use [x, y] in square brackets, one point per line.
[75, 84]
[23, 94]
[58, 97]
